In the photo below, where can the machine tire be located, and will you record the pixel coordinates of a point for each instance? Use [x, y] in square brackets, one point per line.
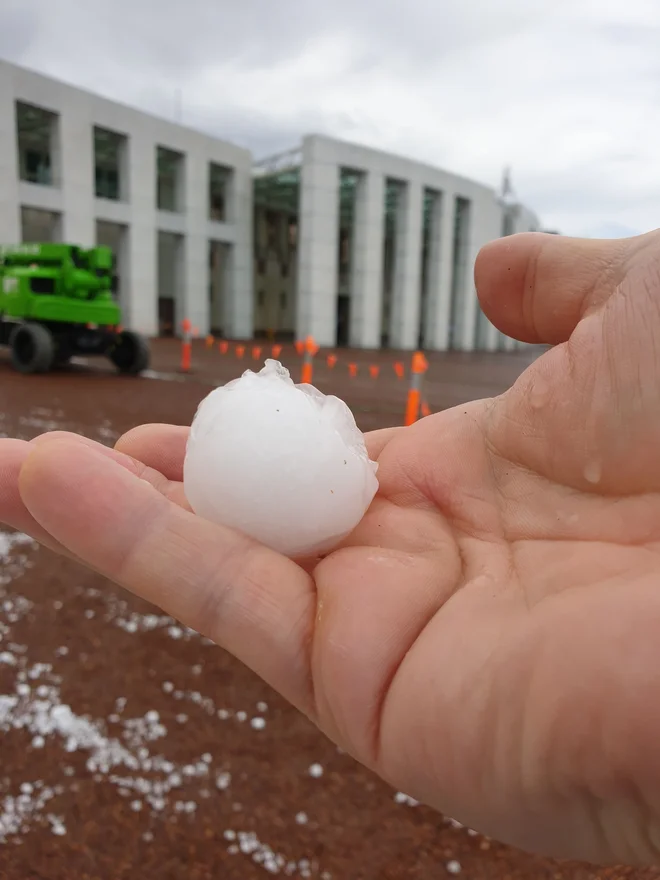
[130, 353]
[32, 348]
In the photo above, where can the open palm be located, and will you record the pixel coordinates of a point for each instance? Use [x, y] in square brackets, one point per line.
[488, 639]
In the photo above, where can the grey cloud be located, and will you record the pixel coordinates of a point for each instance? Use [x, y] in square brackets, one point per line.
[17, 29]
[482, 78]
[612, 230]
[189, 36]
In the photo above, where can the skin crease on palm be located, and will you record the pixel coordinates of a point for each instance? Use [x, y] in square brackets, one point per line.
[488, 640]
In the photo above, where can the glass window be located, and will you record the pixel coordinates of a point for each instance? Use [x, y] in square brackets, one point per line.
[35, 130]
[108, 160]
[169, 184]
[219, 182]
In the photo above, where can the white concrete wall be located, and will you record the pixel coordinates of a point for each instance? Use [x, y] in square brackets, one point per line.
[10, 212]
[523, 219]
[367, 262]
[438, 304]
[323, 159]
[406, 295]
[316, 307]
[485, 221]
[72, 195]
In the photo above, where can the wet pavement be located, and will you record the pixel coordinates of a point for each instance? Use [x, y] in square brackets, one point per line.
[133, 747]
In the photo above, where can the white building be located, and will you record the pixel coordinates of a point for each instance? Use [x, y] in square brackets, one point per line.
[351, 245]
[171, 201]
[383, 248]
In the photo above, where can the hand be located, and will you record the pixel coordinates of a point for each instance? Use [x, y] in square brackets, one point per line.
[488, 640]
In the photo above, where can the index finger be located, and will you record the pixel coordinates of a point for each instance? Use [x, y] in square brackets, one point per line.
[257, 604]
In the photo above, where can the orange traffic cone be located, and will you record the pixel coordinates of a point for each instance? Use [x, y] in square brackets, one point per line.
[418, 367]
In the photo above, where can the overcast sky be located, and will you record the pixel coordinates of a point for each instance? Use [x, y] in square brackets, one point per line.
[567, 92]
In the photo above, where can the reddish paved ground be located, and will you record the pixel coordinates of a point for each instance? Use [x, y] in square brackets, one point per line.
[452, 378]
[134, 748]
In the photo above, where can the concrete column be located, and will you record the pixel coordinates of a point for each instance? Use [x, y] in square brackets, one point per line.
[140, 312]
[438, 300]
[492, 337]
[217, 282]
[484, 223]
[75, 162]
[468, 304]
[406, 295]
[480, 330]
[140, 285]
[195, 273]
[10, 214]
[316, 307]
[193, 197]
[367, 262]
[238, 320]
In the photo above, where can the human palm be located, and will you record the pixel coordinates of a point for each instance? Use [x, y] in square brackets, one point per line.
[487, 639]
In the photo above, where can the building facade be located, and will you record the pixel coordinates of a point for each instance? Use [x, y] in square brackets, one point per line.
[348, 244]
[175, 204]
[377, 250]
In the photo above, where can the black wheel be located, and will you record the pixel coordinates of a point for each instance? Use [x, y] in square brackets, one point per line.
[62, 354]
[32, 348]
[130, 353]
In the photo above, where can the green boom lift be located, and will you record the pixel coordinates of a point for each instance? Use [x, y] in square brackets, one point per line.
[56, 301]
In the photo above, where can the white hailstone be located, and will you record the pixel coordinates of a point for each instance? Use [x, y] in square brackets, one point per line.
[282, 463]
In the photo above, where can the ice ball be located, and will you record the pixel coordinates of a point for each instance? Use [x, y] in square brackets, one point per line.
[280, 462]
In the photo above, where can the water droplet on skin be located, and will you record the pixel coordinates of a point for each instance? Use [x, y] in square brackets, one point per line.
[539, 394]
[593, 472]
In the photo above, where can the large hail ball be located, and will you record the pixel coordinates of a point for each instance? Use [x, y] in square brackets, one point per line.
[282, 463]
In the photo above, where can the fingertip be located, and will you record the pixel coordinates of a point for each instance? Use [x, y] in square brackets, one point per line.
[53, 466]
[499, 276]
[85, 499]
[43, 474]
[536, 286]
[159, 446]
[10, 449]
[78, 441]
[42, 451]
[13, 454]
[49, 436]
[134, 436]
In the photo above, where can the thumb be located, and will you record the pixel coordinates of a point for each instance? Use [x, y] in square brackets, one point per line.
[537, 286]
